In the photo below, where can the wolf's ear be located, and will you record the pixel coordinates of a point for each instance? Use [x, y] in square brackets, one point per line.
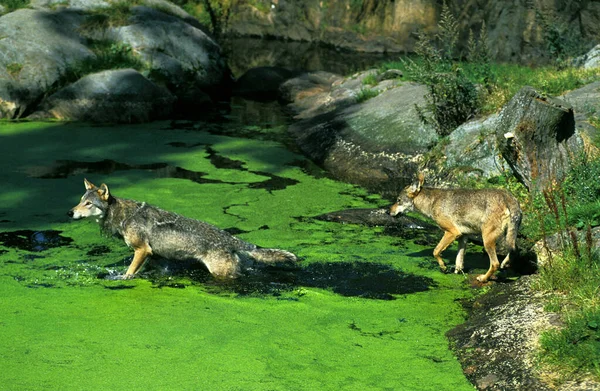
[103, 192]
[88, 185]
[414, 189]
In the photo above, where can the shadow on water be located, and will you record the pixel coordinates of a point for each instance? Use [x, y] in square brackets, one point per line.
[350, 279]
[33, 240]
[66, 168]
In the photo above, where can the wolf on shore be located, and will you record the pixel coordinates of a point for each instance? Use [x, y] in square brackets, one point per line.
[463, 212]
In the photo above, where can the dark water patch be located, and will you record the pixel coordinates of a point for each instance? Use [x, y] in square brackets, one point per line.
[363, 279]
[224, 162]
[235, 231]
[309, 168]
[118, 287]
[274, 183]
[40, 285]
[65, 168]
[34, 240]
[98, 250]
[350, 279]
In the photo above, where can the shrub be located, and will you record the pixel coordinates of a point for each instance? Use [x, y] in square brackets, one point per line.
[453, 97]
[12, 5]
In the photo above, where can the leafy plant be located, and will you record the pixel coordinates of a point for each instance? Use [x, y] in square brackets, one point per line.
[369, 80]
[452, 97]
[366, 94]
[12, 5]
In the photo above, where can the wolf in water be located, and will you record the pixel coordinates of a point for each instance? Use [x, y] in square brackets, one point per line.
[153, 231]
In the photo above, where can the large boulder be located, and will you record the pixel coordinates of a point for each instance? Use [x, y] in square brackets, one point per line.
[377, 143]
[44, 48]
[536, 136]
[176, 52]
[115, 96]
[470, 150]
[37, 47]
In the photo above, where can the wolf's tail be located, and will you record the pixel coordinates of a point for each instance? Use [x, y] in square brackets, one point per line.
[270, 255]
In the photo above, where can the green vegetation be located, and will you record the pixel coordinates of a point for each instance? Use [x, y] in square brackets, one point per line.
[108, 55]
[12, 5]
[366, 94]
[453, 97]
[214, 13]
[370, 80]
[14, 69]
[364, 311]
[562, 218]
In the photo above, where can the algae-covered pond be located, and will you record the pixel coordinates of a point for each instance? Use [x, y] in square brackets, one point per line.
[366, 310]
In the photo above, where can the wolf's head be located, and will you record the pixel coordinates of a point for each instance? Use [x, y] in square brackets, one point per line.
[405, 201]
[94, 202]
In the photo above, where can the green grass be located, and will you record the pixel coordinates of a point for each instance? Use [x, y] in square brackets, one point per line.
[572, 274]
[365, 94]
[510, 78]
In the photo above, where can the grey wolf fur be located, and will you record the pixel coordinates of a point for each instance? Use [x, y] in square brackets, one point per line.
[150, 230]
[463, 212]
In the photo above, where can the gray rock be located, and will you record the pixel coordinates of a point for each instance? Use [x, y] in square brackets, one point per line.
[368, 143]
[84, 5]
[119, 96]
[589, 60]
[536, 136]
[472, 150]
[174, 50]
[40, 47]
[36, 49]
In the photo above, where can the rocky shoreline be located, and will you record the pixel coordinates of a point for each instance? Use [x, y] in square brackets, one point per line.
[498, 344]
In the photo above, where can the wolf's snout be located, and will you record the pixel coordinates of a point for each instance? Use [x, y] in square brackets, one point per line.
[70, 213]
[394, 209]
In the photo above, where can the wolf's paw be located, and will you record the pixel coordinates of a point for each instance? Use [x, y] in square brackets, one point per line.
[127, 276]
[458, 270]
[482, 278]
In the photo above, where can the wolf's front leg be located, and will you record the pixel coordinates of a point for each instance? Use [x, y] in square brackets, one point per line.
[139, 256]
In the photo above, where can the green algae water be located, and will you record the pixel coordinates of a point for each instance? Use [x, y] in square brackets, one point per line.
[365, 310]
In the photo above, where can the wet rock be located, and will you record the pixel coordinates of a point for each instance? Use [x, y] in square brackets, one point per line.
[496, 346]
[375, 217]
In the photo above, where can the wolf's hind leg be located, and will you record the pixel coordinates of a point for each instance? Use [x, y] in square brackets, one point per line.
[490, 234]
[506, 262]
[221, 264]
[460, 256]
